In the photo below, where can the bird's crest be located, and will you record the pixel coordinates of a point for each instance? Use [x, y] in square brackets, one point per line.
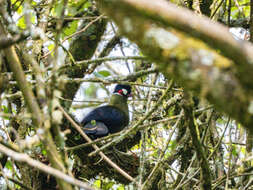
[123, 90]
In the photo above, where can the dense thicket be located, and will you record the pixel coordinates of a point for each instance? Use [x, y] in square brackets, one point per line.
[192, 105]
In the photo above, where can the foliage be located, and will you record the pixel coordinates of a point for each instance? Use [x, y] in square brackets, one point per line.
[60, 46]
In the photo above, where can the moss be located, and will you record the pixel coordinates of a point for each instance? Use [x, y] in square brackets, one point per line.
[82, 47]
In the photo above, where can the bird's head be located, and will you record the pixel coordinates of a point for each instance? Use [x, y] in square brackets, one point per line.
[122, 90]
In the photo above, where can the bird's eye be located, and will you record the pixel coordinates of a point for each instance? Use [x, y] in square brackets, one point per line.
[124, 91]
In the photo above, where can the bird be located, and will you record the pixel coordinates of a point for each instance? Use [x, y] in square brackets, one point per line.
[111, 118]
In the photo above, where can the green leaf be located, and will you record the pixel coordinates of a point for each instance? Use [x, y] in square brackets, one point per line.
[77, 137]
[102, 74]
[71, 29]
[21, 23]
[20, 8]
[87, 5]
[92, 37]
[108, 186]
[121, 187]
[234, 151]
[91, 91]
[243, 150]
[173, 144]
[50, 47]
[17, 186]
[5, 109]
[58, 9]
[33, 18]
[34, 3]
[44, 152]
[8, 165]
[97, 183]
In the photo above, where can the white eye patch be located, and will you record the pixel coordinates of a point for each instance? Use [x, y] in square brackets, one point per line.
[124, 91]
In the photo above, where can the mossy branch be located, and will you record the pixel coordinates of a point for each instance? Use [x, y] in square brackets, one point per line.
[24, 86]
[34, 108]
[193, 64]
[206, 179]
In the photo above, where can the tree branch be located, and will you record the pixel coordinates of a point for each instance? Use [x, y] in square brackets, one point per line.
[7, 42]
[20, 157]
[206, 179]
[19, 74]
[182, 19]
[191, 62]
[37, 116]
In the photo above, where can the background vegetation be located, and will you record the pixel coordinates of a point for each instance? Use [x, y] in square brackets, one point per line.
[192, 105]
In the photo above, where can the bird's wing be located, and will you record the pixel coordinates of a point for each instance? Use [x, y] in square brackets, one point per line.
[105, 114]
[96, 128]
[112, 117]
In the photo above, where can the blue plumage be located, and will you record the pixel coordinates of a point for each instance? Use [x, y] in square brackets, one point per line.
[110, 118]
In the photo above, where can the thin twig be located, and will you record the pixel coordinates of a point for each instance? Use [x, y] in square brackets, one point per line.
[189, 178]
[230, 157]
[217, 8]
[144, 135]
[215, 149]
[236, 174]
[161, 157]
[83, 29]
[102, 59]
[116, 80]
[187, 171]
[91, 143]
[201, 154]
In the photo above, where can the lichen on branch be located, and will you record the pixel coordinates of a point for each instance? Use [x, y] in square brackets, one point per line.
[217, 78]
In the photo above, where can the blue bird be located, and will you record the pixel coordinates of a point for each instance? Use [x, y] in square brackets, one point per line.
[110, 118]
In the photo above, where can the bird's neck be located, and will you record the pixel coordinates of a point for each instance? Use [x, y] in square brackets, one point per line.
[120, 102]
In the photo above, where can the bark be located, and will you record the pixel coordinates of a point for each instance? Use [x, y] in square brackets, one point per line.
[205, 178]
[37, 117]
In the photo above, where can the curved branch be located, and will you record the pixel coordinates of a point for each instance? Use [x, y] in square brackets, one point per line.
[182, 19]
